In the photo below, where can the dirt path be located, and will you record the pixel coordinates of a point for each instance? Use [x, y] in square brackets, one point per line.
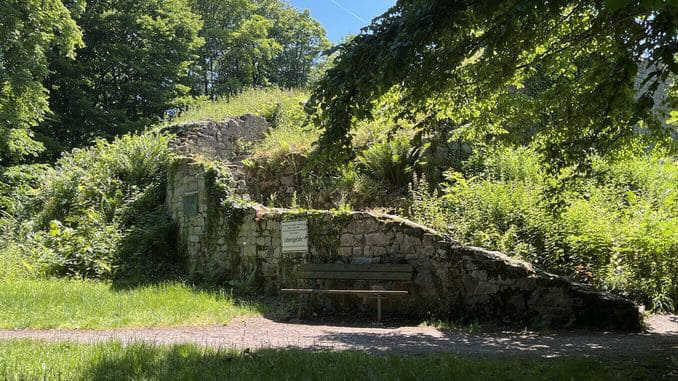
[259, 332]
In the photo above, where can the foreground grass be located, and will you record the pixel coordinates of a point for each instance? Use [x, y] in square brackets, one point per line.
[22, 359]
[64, 303]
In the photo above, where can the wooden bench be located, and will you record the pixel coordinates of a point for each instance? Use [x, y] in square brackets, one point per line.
[353, 272]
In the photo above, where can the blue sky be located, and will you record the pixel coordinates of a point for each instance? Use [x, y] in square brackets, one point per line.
[342, 17]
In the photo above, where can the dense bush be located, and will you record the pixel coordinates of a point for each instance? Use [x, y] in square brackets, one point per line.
[617, 229]
[100, 213]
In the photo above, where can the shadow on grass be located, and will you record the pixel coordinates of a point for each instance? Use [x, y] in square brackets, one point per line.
[502, 344]
[189, 362]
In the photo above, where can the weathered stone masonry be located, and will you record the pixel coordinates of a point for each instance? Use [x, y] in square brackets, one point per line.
[239, 243]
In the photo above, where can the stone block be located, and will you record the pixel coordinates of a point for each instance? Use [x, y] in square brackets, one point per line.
[393, 249]
[375, 239]
[389, 236]
[427, 251]
[364, 260]
[378, 251]
[250, 250]
[276, 241]
[429, 240]
[409, 244]
[269, 269]
[354, 228]
[374, 251]
[346, 240]
[273, 225]
[370, 226]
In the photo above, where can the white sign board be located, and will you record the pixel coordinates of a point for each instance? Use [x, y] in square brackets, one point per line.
[294, 236]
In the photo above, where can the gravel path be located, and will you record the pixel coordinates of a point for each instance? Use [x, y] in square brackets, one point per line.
[260, 332]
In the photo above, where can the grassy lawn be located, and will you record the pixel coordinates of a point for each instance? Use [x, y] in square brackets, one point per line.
[22, 359]
[63, 303]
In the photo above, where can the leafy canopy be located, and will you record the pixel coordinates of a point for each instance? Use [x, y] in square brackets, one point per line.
[28, 29]
[561, 71]
[134, 67]
[254, 44]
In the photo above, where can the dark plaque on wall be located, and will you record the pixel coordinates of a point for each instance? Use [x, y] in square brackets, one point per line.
[190, 204]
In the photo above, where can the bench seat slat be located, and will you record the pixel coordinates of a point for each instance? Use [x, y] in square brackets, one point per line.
[319, 291]
[356, 275]
[331, 267]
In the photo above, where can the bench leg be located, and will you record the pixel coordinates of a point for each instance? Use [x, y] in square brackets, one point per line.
[378, 309]
[301, 303]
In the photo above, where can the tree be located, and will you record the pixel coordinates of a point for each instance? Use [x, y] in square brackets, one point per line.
[28, 29]
[302, 39]
[234, 38]
[468, 62]
[134, 67]
[254, 44]
[326, 61]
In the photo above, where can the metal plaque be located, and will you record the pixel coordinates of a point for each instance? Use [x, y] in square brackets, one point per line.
[294, 236]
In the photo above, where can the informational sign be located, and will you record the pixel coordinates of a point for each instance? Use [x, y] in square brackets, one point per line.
[294, 236]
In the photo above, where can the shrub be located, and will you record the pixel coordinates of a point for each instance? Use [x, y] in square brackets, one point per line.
[618, 229]
[100, 213]
[16, 264]
[391, 161]
[624, 225]
[18, 187]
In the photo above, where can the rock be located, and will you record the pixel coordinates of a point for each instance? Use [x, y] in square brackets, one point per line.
[346, 240]
[375, 239]
[364, 260]
[345, 251]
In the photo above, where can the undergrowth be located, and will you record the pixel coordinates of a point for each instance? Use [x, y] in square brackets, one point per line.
[617, 228]
[99, 214]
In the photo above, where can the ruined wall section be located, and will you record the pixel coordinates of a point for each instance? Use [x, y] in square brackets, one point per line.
[227, 141]
[240, 244]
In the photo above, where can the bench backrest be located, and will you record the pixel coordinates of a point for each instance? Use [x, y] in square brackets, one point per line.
[356, 272]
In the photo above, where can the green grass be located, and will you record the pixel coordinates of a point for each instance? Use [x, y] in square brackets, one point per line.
[283, 108]
[287, 139]
[261, 102]
[64, 303]
[22, 359]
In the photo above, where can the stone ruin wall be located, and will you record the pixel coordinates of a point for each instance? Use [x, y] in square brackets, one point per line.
[227, 140]
[239, 244]
[230, 141]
